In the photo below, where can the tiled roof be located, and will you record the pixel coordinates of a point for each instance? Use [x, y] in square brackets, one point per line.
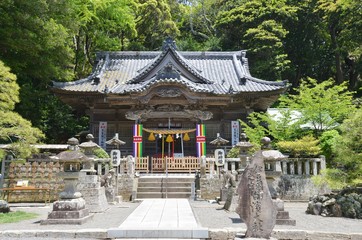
[209, 72]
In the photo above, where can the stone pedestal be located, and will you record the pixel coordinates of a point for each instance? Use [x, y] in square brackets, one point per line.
[93, 193]
[68, 211]
[282, 215]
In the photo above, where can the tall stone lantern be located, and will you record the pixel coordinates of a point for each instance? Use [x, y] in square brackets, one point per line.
[244, 147]
[90, 182]
[71, 208]
[89, 148]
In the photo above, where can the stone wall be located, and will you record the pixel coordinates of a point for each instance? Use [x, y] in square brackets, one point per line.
[297, 187]
[42, 175]
[288, 187]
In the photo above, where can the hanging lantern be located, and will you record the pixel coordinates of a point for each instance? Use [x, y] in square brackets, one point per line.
[186, 137]
[169, 138]
[151, 137]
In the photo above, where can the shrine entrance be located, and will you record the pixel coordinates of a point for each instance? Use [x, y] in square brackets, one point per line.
[169, 145]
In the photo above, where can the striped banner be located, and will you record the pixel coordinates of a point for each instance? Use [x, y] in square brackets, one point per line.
[201, 140]
[137, 140]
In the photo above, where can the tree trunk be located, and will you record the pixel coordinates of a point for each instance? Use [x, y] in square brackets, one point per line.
[352, 73]
[337, 55]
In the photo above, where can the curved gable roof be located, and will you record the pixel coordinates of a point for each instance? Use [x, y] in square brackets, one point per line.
[224, 73]
[168, 56]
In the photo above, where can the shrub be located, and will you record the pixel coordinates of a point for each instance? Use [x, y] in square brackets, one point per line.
[305, 147]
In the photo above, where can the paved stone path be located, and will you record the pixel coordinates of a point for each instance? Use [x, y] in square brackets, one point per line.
[161, 218]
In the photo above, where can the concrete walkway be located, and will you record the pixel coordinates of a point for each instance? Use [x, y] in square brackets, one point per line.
[160, 218]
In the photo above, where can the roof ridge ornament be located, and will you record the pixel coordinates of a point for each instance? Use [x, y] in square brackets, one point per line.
[168, 72]
[169, 43]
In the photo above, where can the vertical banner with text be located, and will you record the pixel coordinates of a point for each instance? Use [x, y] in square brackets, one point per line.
[137, 140]
[235, 132]
[201, 140]
[102, 135]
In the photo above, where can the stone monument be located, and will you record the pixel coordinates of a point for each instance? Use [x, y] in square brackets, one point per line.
[90, 183]
[272, 160]
[256, 207]
[71, 208]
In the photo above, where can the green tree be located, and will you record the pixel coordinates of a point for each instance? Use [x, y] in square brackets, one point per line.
[327, 142]
[14, 129]
[348, 148]
[307, 45]
[258, 26]
[343, 22]
[33, 43]
[154, 23]
[322, 105]
[100, 25]
[281, 127]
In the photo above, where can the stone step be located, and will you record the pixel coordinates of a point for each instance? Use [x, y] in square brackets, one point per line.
[168, 184]
[290, 222]
[169, 189]
[157, 187]
[283, 215]
[159, 180]
[141, 195]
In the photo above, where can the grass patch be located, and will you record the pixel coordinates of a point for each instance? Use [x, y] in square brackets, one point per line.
[17, 216]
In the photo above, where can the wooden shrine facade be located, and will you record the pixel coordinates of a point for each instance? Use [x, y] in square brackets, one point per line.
[168, 90]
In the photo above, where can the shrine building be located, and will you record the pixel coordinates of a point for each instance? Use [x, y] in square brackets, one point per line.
[168, 103]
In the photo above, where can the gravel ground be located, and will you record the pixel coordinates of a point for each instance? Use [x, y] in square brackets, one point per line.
[209, 216]
[112, 217]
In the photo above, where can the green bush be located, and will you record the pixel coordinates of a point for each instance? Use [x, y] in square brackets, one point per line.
[331, 177]
[327, 143]
[305, 147]
[100, 153]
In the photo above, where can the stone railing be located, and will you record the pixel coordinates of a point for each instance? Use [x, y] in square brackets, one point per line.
[303, 166]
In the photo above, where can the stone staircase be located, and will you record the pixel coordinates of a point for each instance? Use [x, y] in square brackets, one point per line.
[165, 187]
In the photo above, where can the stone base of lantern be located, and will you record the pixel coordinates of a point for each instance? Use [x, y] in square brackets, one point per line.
[93, 193]
[282, 216]
[68, 211]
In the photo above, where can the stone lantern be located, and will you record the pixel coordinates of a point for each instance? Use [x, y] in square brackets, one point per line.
[244, 147]
[90, 182]
[89, 148]
[71, 208]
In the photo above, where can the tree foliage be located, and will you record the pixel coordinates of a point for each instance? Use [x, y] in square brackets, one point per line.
[307, 146]
[258, 26]
[322, 105]
[154, 24]
[14, 129]
[348, 148]
[43, 40]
